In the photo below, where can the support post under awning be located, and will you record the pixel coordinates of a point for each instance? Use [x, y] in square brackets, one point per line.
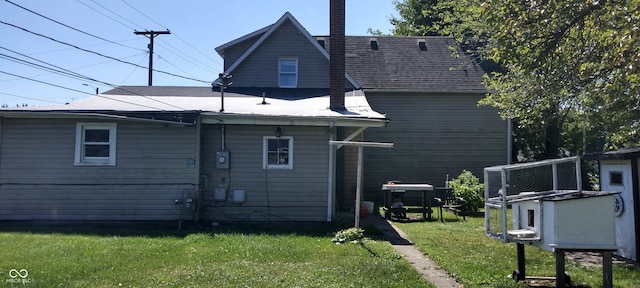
[360, 146]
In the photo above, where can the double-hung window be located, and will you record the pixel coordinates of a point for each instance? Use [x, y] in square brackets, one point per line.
[288, 72]
[95, 144]
[278, 152]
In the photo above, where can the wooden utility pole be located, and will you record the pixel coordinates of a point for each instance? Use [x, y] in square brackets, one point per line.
[151, 34]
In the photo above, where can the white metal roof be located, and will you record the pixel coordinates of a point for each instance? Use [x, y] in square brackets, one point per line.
[238, 108]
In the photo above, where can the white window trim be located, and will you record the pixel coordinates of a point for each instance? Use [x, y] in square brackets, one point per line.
[265, 156]
[80, 160]
[280, 73]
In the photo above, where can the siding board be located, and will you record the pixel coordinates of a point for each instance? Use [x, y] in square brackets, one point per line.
[271, 195]
[260, 69]
[434, 135]
[151, 172]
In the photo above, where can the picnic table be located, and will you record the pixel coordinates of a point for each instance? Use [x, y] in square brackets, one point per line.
[394, 193]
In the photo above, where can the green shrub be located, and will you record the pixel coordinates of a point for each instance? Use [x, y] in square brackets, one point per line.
[353, 235]
[468, 187]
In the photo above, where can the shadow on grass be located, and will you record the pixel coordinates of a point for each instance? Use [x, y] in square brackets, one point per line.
[168, 228]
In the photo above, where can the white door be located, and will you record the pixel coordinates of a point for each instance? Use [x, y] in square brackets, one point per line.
[616, 176]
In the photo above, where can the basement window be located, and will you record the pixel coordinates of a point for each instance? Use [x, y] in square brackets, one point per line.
[95, 144]
[277, 152]
[288, 72]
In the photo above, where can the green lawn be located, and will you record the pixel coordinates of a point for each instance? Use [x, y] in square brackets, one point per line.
[476, 260]
[261, 256]
[230, 256]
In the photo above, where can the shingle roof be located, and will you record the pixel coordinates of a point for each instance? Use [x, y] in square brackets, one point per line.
[400, 64]
[397, 63]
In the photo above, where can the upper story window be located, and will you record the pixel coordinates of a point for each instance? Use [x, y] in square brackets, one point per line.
[288, 72]
[278, 152]
[95, 144]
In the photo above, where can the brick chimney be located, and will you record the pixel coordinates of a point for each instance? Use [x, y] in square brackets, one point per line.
[336, 53]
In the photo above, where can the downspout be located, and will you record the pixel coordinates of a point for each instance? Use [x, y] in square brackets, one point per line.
[222, 135]
[331, 185]
[1, 146]
[509, 141]
[635, 187]
[199, 189]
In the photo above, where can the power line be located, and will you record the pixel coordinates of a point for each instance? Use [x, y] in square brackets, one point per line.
[46, 83]
[101, 96]
[192, 60]
[86, 46]
[114, 13]
[38, 66]
[105, 15]
[72, 28]
[100, 54]
[60, 71]
[63, 70]
[100, 63]
[71, 74]
[30, 98]
[174, 66]
[185, 42]
[134, 70]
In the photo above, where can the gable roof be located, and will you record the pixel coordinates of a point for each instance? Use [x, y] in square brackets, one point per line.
[268, 31]
[394, 63]
[403, 63]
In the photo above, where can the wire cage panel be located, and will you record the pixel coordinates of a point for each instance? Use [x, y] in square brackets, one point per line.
[507, 185]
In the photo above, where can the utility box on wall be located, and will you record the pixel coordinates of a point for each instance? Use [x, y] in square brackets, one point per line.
[222, 159]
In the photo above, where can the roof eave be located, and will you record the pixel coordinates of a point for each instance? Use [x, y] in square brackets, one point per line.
[86, 115]
[240, 119]
[400, 90]
[220, 49]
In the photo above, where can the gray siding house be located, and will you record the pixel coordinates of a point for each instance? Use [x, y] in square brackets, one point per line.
[168, 153]
[257, 151]
[428, 91]
[430, 96]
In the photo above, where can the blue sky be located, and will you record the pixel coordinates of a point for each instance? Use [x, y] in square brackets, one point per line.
[107, 28]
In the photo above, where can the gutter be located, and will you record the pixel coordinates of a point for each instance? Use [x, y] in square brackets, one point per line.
[63, 115]
[375, 90]
[293, 121]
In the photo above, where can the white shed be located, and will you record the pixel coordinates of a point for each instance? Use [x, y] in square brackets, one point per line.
[619, 172]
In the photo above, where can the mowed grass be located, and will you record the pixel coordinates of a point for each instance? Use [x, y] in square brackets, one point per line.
[230, 256]
[476, 260]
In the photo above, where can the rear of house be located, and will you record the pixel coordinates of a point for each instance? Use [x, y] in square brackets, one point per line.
[122, 156]
[140, 153]
[430, 93]
[94, 168]
[292, 187]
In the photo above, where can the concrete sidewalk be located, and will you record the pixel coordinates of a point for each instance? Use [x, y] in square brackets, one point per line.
[429, 270]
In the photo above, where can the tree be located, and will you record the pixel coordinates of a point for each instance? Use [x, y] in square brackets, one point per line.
[567, 58]
[417, 17]
[567, 66]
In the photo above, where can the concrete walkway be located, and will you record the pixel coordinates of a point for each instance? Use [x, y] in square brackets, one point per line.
[429, 270]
